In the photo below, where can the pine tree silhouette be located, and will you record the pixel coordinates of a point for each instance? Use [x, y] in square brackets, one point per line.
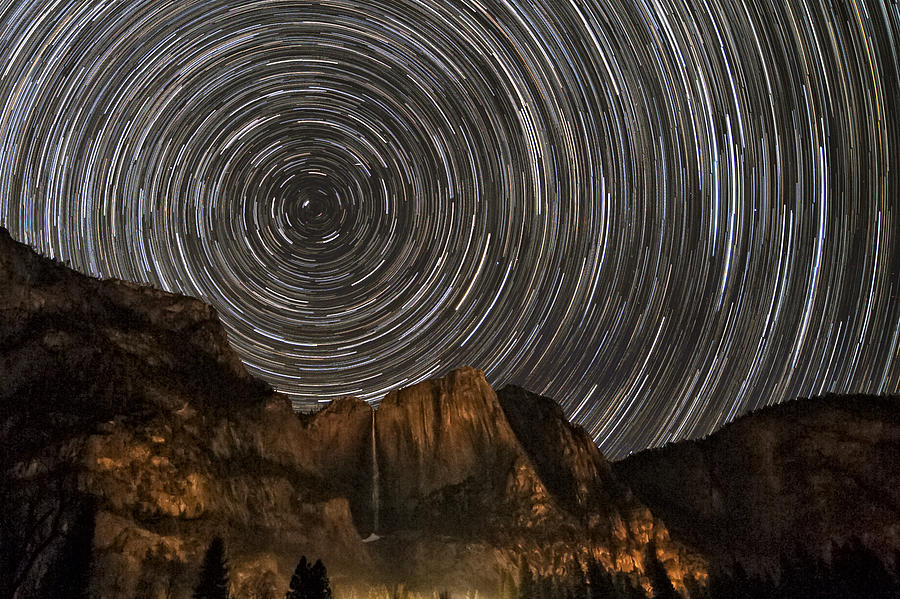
[71, 575]
[600, 581]
[527, 586]
[659, 578]
[309, 581]
[213, 583]
[321, 586]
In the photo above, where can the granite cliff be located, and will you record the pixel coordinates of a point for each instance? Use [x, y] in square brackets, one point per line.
[128, 402]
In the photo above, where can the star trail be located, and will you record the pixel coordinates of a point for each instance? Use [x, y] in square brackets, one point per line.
[661, 213]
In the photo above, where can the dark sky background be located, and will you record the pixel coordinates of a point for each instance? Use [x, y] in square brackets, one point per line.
[661, 213]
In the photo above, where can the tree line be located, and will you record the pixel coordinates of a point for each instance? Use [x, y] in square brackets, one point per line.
[853, 571]
[309, 581]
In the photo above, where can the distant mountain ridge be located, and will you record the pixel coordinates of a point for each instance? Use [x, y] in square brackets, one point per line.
[804, 474]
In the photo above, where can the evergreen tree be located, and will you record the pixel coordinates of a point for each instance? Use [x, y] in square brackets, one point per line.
[659, 578]
[71, 574]
[527, 586]
[309, 581]
[298, 579]
[600, 581]
[213, 583]
[321, 586]
[628, 589]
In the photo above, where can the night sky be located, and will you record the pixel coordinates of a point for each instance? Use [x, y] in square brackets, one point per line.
[661, 213]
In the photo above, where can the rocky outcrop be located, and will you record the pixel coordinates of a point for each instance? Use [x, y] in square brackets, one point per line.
[566, 458]
[129, 401]
[450, 460]
[462, 490]
[797, 475]
[581, 481]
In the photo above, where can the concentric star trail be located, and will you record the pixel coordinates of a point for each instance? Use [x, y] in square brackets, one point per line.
[662, 213]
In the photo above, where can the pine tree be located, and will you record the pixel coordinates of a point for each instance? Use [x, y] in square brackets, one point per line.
[299, 584]
[321, 586]
[309, 581]
[600, 581]
[659, 578]
[213, 583]
[630, 590]
[71, 574]
[527, 587]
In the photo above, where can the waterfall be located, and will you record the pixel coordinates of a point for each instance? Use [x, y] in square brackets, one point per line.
[376, 475]
[376, 484]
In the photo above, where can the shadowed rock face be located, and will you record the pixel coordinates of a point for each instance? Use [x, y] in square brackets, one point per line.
[800, 474]
[338, 439]
[567, 460]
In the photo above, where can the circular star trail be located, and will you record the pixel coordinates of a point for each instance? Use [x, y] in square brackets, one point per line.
[661, 213]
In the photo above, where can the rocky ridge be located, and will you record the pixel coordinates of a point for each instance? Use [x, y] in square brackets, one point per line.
[796, 476]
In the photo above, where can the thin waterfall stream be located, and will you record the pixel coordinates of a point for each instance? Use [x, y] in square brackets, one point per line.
[376, 484]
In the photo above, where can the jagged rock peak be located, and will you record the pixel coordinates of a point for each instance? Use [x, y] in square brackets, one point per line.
[346, 405]
[520, 402]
